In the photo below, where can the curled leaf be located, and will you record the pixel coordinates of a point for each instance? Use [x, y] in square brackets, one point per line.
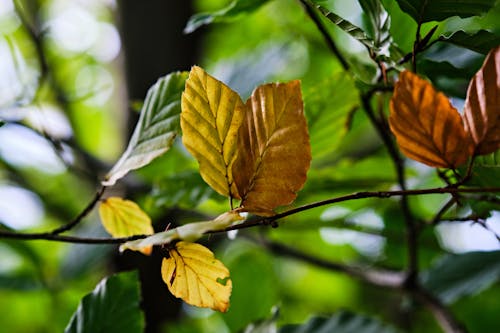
[211, 116]
[482, 105]
[193, 274]
[275, 150]
[123, 218]
[427, 127]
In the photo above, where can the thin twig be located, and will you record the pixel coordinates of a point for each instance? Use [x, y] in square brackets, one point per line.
[48, 236]
[82, 214]
[311, 12]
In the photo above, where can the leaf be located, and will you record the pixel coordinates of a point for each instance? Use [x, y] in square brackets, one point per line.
[353, 30]
[482, 105]
[380, 24]
[438, 10]
[329, 105]
[112, 307]
[481, 41]
[277, 154]
[156, 129]
[123, 218]
[232, 11]
[459, 275]
[189, 232]
[486, 170]
[194, 275]
[427, 128]
[211, 115]
[340, 322]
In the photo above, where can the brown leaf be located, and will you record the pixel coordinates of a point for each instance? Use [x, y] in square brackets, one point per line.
[482, 105]
[274, 148]
[427, 127]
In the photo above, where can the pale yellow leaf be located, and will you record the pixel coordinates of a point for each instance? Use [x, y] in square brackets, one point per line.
[427, 127]
[211, 116]
[123, 218]
[193, 274]
[482, 105]
[275, 152]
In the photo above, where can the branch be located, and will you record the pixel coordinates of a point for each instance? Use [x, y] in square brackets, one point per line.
[82, 214]
[49, 236]
[377, 277]
[311, 12]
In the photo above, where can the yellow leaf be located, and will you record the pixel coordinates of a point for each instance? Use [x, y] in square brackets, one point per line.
[275, 153]
[427, 127]
[482, 105]
[123, 218]
[211, 116]
[194, 275]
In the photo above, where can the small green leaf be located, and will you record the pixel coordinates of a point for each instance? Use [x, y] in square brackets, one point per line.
[380, 24]
[459, 275]
[232, 11]
[481, 41]
[112, 307]
[486, 170]
[328, 107]
[353, 30]
[438, 10]
[156, 129]
[341, 322]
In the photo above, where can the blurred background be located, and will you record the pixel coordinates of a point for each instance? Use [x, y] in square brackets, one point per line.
[73, 74]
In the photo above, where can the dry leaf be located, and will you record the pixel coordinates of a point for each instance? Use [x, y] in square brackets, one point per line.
[194, 275]
[427, 127]
[211, 116]
[274, 148]
[482, 105]
[123, 218]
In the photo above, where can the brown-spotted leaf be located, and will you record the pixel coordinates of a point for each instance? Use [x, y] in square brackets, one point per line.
[427, 127]
[275, 153]
[482, 105]
[193, 274]
[211, 116]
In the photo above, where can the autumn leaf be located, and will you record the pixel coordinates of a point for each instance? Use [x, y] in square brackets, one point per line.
[275, 153]
[427, 127]
[194, 275]
[482, 105]
[123, 218]
[211, 116]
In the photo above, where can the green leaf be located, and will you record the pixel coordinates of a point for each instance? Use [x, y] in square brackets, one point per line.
[2, 123]
[438, 10]
[459, 275]
[353, 30]
[156, 129]
[328, 107]
[486, 170]
[113, 306]
[380, 24]
[481, 41]
[341, 322]
[232, 11]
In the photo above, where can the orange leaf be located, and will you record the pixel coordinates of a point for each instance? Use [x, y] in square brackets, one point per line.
[482, 105]
[275, 153]
[427, 127]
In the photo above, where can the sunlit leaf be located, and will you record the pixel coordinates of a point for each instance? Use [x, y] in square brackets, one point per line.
[194, 275]
[123, 218]
[112, 307]
[188, 232]
[341, 322]
[437, 10]
[233, 10]
[427, 127]
[211, 116]
[156, 129]
[277, 153]
[481, 41]
[482, 105]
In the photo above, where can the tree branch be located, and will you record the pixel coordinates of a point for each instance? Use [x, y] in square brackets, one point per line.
[311, 12]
